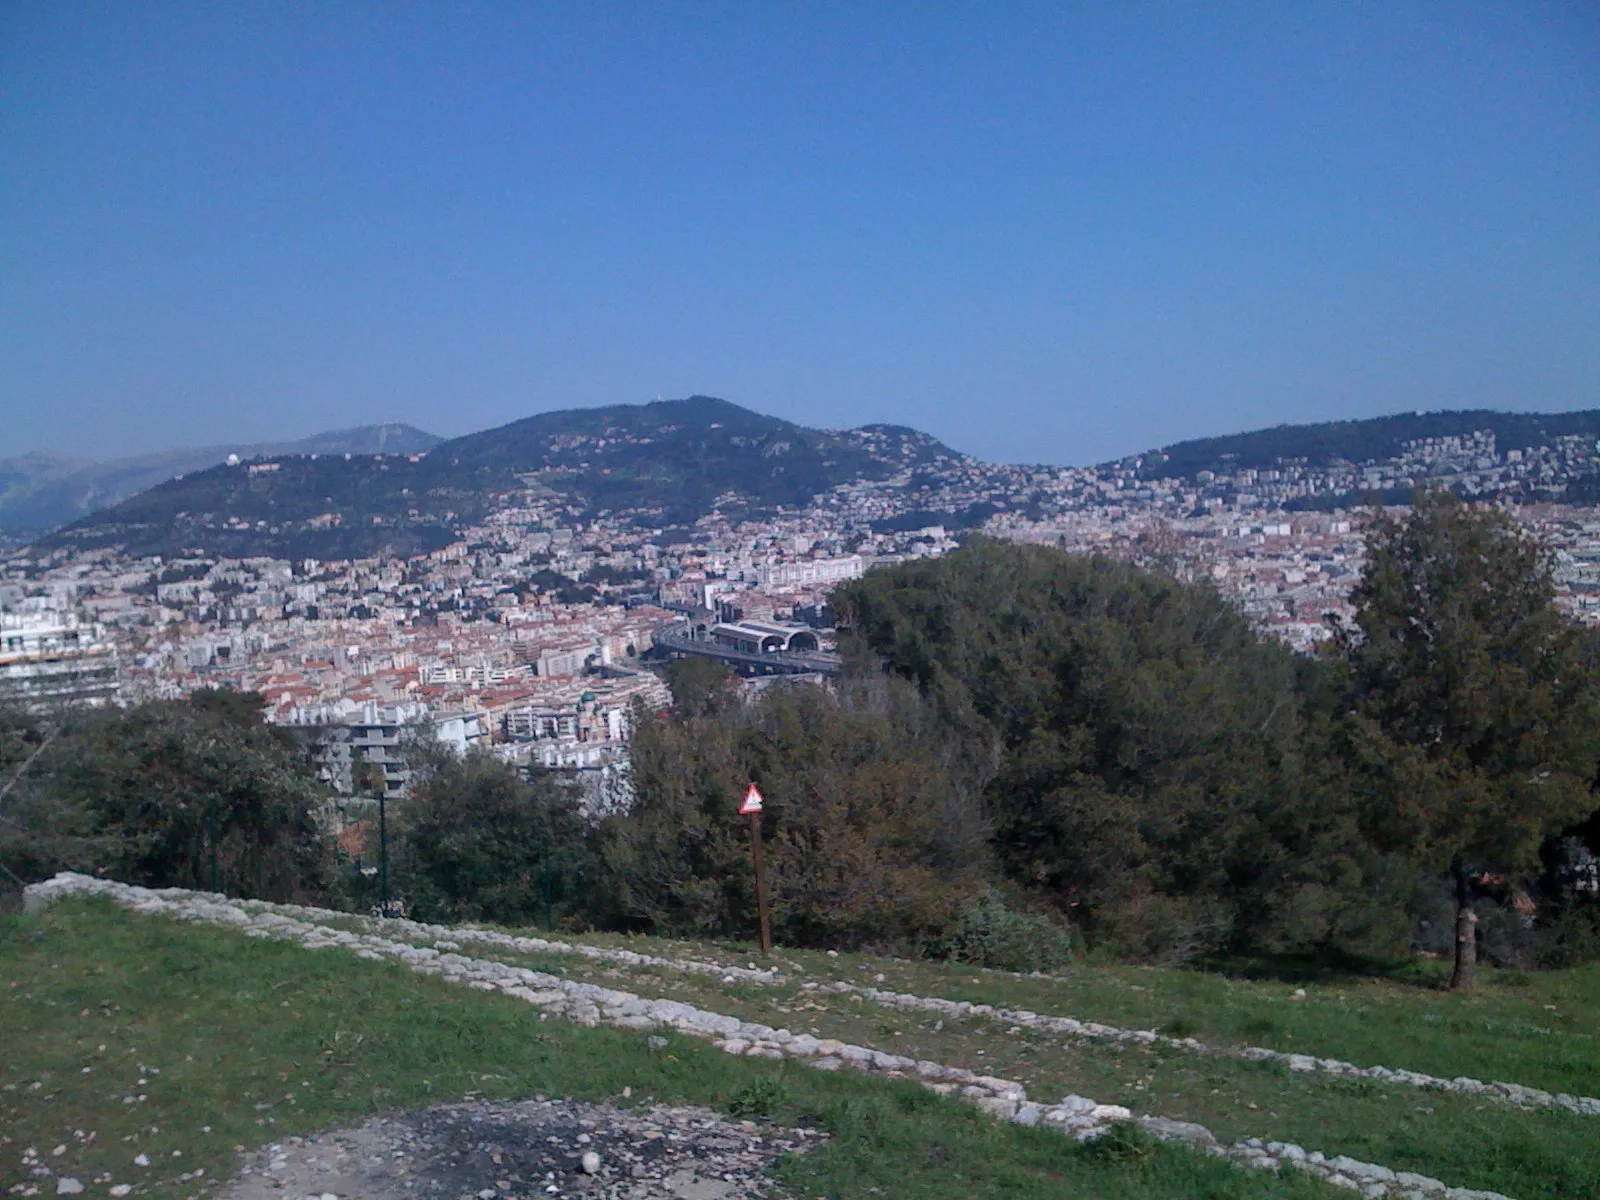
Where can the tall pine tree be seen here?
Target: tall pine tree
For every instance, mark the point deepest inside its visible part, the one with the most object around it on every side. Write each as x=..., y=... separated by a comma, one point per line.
x=1477, y=725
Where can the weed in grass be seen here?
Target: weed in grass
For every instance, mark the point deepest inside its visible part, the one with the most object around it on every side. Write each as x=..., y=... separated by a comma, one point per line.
x=760, y=1099
x=1122, y=1142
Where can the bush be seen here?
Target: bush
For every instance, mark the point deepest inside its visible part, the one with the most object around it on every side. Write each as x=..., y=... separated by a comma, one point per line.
x=481, y=843
x=873, y=831
x=760, y=1099
x=139, y=793
x=1167, y=931
x=1122, y=1142
x=993, y=934
x=1570, y=939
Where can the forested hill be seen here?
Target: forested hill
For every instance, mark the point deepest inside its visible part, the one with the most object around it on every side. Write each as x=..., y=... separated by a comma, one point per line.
x=1376, y=439
x=40, y=492
x=660, y=464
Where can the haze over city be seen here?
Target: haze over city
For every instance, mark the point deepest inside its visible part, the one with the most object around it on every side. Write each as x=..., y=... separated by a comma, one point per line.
x=1039, y=235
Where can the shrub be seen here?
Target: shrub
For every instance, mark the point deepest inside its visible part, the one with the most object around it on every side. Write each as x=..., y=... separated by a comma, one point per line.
x=1122, y=1142
x=481, y=843
x=759, y=1099
x=1570, y=939
x=993, y=934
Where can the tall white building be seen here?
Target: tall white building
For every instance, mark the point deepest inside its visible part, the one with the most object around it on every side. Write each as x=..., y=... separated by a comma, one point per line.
x=49, y=658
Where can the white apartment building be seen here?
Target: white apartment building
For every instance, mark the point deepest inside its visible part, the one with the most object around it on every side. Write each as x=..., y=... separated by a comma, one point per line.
x=810, y=572
x=49, y=658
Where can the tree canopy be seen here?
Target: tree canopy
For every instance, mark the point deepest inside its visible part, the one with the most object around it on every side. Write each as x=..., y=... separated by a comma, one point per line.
x=1152, y=748
x=1477, y=727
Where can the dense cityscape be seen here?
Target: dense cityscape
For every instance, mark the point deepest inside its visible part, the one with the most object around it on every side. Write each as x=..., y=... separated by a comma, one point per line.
x=537, y=631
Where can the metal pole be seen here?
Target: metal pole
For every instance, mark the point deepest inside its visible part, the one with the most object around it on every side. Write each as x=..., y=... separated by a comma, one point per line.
x=761, y=883
x=211, y=826
x=383, y=849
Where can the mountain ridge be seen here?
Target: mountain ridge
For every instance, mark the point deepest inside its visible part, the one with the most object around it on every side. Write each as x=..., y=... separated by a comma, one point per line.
x=41, y=491
x=1356, y=441
x=667, y=462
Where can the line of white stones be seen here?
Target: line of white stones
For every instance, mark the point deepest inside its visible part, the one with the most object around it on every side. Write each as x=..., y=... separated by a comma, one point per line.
x=591, y=1005
x=451, y=937
x=1513, y=1093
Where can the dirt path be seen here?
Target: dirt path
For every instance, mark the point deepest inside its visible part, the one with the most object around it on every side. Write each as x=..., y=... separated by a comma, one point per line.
x=550, y=1148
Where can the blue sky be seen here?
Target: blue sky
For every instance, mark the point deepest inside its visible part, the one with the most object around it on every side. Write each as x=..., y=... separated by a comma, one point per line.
x=1052, y=233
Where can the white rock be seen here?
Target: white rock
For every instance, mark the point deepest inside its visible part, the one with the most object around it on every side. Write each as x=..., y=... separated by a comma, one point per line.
x=591, y=1163
x=68, y=1186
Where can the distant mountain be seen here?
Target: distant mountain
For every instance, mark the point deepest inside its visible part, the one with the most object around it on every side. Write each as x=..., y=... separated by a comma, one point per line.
x=661, y=464
x=39, y=492
x=1358, y=442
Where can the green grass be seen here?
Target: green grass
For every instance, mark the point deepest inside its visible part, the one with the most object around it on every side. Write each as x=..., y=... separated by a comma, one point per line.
x=240, y=1042
x=1465, y=1141
x=1539, y=1029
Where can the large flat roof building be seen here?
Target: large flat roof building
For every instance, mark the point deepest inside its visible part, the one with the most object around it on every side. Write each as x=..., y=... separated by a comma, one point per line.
x=49, y=658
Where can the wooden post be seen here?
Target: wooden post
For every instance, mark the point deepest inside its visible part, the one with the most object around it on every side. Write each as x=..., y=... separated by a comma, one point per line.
x=761, y=883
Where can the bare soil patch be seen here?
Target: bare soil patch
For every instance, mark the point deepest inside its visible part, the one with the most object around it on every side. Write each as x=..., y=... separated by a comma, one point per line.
x=536, y=1148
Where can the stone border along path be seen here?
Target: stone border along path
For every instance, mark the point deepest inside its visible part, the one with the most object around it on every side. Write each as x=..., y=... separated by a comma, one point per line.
x=591, y=1005
x=450, y=938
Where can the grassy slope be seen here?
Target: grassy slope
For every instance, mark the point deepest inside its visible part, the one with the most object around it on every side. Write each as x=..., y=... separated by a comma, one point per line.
x=1542, y=1029
x=1466, y=1141
x=260, y=1040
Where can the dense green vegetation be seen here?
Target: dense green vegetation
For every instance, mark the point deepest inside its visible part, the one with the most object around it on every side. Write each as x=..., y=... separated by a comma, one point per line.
x=1124, y=752
x=1157, y=769
x=479, y=842
x=1477, y=730
x=874, y=832
x=143, y=794
x=1360, y=441
x=1031, y=754
x=670, y=458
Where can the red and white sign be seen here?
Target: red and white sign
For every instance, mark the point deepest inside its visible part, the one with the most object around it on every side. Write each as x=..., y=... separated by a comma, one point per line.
x=752, y=801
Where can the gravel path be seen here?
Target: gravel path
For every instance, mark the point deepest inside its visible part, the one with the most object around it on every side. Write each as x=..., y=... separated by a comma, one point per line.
x=536, y=1148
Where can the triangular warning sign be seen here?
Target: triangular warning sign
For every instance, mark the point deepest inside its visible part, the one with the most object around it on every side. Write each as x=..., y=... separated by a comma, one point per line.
x=752, y=801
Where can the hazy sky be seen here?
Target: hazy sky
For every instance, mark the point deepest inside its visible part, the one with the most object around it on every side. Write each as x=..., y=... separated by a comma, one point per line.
x=1043, y=233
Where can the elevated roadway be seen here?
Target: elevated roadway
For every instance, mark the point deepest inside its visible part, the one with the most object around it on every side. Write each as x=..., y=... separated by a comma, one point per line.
x=776, y=662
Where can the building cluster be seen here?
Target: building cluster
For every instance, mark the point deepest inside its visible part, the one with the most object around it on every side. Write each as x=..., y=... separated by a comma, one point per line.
x=533, y=633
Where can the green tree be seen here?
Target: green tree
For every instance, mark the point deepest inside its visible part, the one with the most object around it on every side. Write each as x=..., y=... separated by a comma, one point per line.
x=872, y=826
x=140, y=793
x=481, y=842
x=701, y=686
x=1477, y=730
x=1155, y=779
x=37, y=834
